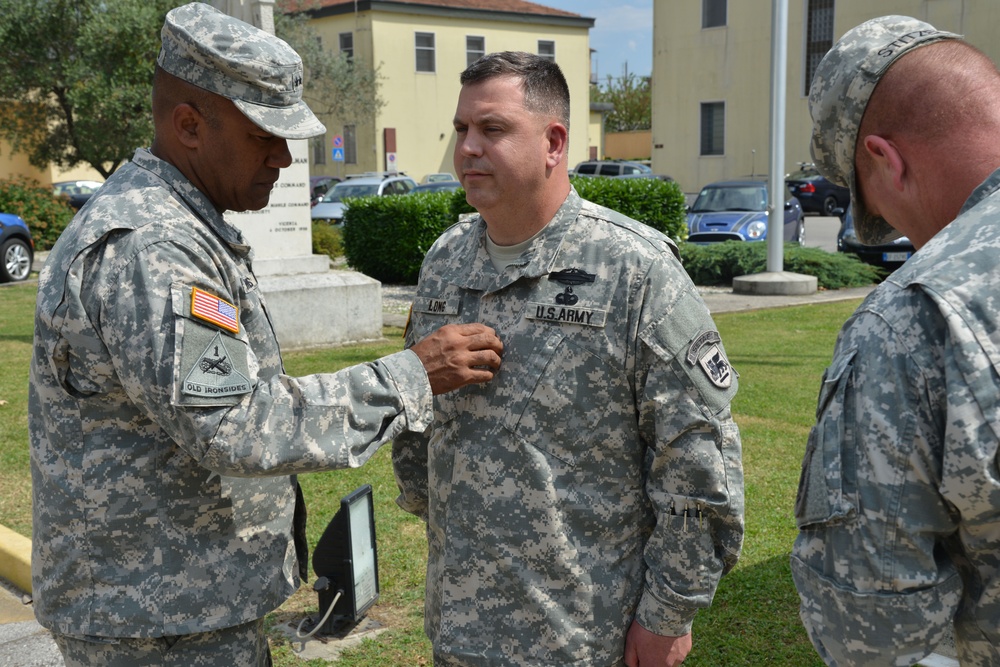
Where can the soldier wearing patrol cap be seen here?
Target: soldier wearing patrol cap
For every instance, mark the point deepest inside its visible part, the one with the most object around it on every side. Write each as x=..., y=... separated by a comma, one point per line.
x=165, y=437
x=582, y=507
x=899, y=499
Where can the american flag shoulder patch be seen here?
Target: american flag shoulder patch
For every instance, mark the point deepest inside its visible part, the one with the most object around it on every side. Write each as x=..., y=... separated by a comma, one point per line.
x=210, y=308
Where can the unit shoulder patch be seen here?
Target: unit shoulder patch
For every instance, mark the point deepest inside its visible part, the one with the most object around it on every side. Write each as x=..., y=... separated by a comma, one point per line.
x=216, y=372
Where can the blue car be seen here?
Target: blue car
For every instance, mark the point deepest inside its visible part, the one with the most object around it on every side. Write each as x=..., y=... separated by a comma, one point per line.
x=16, y=249
x=737, y=211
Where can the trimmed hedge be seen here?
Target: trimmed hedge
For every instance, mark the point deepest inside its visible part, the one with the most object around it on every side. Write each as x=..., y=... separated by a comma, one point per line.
x=719, y=263
x=659, y=204
x=46, y=214
x=387, y=237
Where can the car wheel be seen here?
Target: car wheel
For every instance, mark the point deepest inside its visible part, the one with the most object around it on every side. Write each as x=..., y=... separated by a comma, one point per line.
x=830, y=205
x=16, y=261
x=800, y=233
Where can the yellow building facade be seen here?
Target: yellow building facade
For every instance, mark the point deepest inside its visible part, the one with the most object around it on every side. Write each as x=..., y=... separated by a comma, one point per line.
x=712, y=72
x=421, y=49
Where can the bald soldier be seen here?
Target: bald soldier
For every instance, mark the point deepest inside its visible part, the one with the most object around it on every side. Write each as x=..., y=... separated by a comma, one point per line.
x=899, y=501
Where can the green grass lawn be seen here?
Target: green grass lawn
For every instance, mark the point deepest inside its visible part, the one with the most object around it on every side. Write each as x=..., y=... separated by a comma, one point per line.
x=780, y=355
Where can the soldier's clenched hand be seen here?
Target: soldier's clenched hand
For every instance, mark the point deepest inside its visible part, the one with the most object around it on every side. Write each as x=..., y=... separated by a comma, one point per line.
x=459, y=354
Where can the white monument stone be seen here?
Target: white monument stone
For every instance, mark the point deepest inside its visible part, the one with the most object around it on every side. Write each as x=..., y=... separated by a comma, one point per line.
x=309, y=304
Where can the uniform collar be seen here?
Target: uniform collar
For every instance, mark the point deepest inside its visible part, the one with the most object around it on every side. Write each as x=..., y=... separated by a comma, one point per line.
x=194, y=198
x=985, y=189
x=537, y=260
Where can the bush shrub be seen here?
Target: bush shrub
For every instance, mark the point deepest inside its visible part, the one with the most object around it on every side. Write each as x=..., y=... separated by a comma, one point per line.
x=660, y=204
x=719, y=263
x=326, y=240
x=387, y=237
x=46, y=214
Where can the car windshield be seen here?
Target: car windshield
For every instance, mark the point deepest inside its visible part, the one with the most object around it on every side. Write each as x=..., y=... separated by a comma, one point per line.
x=343, y=191
x=644, y=169
x=735, y=198
x=802, y=175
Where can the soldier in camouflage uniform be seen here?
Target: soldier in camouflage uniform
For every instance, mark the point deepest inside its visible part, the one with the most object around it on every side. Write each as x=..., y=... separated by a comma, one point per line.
x=165, y=437
x=899, y=500
x=582, y=507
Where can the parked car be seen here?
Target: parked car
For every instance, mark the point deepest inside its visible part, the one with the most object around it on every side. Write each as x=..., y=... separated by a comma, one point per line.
x=889, y=256
x=610, y=168
x=815, y=193
x=737, y=211
x=17, y=249
x=330, y=209
x=437, y=178
x=78, y=192
x=437, y=186
x=319, y=186
x=662, y=177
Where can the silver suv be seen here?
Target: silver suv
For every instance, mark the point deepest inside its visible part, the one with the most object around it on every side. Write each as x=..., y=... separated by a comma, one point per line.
x=610, y=168
x=330, y=208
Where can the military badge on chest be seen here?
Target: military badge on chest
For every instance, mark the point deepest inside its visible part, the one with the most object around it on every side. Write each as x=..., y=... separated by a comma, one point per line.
x=565, y=307
x=706, y=352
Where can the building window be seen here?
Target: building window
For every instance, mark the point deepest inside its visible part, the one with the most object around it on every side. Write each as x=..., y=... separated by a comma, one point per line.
x=713, y=128
x=350, y=145
x=819, y=37
x=475, y=48
x=425, y=52
x=318, y=145
x=713, y=13
x=547, y=49
x=347, y=44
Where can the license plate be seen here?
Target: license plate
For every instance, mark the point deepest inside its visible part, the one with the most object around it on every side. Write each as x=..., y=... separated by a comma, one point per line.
x=895, y=256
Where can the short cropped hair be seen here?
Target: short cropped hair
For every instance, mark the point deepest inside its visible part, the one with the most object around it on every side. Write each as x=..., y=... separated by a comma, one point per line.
x=545, y=89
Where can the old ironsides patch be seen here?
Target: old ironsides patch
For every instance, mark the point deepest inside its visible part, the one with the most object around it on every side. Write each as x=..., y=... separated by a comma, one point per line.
x=215, y=374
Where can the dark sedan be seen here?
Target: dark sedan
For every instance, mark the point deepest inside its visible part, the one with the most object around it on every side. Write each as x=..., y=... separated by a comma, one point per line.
x=737, y=211
x=815, y=193
x=889, y=255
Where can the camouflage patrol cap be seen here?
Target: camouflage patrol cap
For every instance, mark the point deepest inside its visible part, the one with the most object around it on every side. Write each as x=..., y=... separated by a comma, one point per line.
x=260, y=73
x=839, y=95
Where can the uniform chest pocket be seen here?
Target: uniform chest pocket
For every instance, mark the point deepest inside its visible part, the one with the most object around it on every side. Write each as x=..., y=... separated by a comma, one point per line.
x=569, y=395
x=828, y=482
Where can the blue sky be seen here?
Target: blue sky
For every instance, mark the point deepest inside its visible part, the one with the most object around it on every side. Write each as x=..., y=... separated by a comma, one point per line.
x=622, y=33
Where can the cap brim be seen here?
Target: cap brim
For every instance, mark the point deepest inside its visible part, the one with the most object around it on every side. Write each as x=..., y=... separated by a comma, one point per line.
x=871, y=229
x=294, y=122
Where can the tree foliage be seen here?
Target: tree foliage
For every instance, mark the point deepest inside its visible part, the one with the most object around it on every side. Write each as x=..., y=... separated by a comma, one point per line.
x=632, y=100
x=335, y=87
x=75, y=77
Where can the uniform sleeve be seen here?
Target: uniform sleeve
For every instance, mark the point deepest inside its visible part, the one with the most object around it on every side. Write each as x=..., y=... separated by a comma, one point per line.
x=684, y=385
x=409, y=463
x=280, y=425
x=875, y=586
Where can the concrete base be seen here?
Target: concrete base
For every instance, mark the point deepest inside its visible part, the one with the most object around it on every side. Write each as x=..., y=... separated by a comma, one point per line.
x=329, y=647
x=332, y=308
x=775, y=283
x=288, y=266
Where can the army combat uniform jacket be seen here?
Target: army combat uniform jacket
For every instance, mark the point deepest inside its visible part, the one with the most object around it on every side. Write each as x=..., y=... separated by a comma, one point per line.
x=164, y=434
x=899, y=500
x=598, y=477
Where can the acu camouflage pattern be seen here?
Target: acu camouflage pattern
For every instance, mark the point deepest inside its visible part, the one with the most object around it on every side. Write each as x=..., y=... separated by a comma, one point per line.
x=838, y=97
x=243, y=645
x=598, y=476
x=155, y=512
x=260, y=73
x=899, y=501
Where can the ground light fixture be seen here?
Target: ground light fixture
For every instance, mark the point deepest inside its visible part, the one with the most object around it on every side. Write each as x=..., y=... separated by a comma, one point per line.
x=346, y=565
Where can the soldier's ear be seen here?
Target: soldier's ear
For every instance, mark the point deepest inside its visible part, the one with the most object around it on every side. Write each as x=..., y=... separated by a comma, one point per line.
x=188, y=124
x=557, y=137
